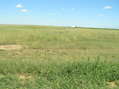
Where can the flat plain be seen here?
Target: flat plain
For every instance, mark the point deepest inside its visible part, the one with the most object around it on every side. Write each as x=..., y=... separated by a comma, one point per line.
x=49, y=57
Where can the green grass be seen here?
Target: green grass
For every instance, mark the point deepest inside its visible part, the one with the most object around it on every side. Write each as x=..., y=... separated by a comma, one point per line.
x=59, y=58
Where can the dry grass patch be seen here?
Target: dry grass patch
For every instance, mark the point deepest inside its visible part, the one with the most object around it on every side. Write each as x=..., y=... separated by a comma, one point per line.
x=112, y=84
x=24, y=77
x=10, y=47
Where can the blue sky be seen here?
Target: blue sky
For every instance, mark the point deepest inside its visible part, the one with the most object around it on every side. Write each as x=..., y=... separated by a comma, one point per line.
x=86, y=13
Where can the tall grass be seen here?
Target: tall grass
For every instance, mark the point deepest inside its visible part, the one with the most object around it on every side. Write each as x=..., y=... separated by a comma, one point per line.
x=72, y=75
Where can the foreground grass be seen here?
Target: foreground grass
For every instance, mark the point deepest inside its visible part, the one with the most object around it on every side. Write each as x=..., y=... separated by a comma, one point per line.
x=59, y=58
x=80, y=75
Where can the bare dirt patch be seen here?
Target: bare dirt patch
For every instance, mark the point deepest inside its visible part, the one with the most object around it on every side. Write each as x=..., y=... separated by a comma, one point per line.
x=25, y=77
x=112, y=84
x=10, y=47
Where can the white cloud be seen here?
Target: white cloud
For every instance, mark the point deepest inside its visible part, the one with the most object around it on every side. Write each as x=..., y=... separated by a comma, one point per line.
x=108, y=7
x=24, y=10
x=19, y=6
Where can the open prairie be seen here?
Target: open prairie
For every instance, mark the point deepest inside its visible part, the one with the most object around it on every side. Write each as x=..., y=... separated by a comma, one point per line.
x=47, y=57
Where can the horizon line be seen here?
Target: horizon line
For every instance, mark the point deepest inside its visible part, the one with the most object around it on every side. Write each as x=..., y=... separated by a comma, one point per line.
x=74, y=26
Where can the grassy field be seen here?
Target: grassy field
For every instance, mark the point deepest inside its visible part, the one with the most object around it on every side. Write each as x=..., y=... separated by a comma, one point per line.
x=42, y=57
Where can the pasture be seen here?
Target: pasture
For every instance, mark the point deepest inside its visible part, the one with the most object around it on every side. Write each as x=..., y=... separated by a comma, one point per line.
x=47, y=57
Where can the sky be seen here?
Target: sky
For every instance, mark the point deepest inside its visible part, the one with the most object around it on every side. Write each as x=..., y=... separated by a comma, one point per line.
x=84, y=13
